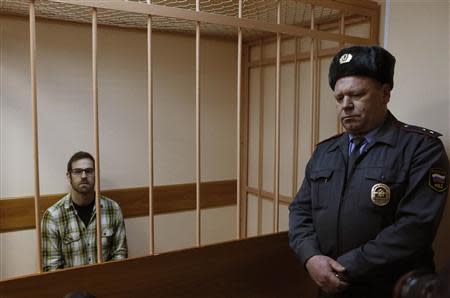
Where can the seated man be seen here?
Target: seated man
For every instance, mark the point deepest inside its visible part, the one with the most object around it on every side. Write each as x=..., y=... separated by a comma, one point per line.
x=69, y=226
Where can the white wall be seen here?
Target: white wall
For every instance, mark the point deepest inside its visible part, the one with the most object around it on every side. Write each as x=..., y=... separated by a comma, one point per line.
x=66, y=126
x=419, y=37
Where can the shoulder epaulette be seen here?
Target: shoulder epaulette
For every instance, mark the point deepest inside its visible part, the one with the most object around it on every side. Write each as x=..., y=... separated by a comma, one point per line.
x=330, y=138
x=418, y=129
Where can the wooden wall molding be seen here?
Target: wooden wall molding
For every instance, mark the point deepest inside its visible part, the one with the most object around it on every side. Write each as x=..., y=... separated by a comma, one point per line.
x=18, y=213
x=255, y=267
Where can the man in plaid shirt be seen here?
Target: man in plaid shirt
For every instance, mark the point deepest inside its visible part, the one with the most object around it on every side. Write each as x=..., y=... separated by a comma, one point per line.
x=69, y=226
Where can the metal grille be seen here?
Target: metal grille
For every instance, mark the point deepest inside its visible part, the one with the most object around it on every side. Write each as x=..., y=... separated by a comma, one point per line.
x=293, y=12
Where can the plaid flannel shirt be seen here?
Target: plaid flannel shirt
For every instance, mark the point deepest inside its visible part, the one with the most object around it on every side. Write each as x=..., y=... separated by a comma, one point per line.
x=67, y=242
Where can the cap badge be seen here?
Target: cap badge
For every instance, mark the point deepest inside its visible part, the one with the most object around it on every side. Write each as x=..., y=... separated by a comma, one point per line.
x=345, y=58
x=380, y=194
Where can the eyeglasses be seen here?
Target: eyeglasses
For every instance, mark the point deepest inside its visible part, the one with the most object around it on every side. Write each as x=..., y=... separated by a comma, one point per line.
x=79, y=172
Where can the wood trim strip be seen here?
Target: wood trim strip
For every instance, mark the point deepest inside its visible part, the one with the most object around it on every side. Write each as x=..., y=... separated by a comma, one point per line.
x=17, y=213
x=269, y=195
x=301, y=57
x=199, y=16
x=323, y=25
x=245, y=268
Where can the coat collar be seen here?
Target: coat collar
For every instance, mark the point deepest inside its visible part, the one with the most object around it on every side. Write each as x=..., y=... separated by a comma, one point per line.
x=386, y=135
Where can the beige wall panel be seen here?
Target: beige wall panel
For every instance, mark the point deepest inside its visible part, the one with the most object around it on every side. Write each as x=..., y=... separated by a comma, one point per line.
x=255, y=53
x=252, y=215
x=218, y=109
x=253, y=126
x=305, y=44
x=327, y=103
x=270, y=50
x=218, y=225
x=304, y=132
x=288, y=46
x=137, y=231
x=17, y=253
x=172, y=239
x=325, y=44
x=358, y=30
x=269, y=129
x=286, y=127
x=267, y=217
x=284, y=217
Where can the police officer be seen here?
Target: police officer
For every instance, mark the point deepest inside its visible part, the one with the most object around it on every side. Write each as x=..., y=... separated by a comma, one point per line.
x=372, y=198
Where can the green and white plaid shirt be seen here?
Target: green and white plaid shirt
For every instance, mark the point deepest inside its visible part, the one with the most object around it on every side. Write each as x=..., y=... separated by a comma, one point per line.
x=67, y=242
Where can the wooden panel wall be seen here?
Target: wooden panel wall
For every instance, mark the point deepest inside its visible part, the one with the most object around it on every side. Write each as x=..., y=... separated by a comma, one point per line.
x=18, y=213
x=256, y=267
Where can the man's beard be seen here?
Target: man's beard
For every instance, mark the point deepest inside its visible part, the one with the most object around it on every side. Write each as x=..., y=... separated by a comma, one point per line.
x=83, y=187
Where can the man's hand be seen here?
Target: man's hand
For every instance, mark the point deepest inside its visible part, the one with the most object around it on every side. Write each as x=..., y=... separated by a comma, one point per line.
x=322, y=270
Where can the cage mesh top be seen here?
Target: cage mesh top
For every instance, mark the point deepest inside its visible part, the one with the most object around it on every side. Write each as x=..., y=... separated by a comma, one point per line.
x=293, y=12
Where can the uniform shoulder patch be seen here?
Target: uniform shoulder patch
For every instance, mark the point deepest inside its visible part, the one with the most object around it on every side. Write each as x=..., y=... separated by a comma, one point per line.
x=418, y=129
x=438, y=179
x=330, y=138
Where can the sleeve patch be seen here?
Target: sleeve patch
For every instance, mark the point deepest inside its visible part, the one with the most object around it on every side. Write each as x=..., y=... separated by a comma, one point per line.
x=438, y=179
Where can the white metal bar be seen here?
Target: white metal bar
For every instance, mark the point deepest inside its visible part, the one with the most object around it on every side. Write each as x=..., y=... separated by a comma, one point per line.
x=238, y=125
x=313, y=84
x=296, y=120
x=34, y=122
x=260, y=140
x=96, y=135
x=276, y=206
x=151, y=218
x=197, y=121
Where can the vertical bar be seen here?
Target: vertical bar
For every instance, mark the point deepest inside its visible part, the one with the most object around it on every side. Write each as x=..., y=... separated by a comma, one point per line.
x=34, y=122
x=244, y=137
x=375, y=25
x=342, y=29
x=313, y=83
x=197, y=121
x=296, y=121
x=339, y=127
x=277, y=127
x=317, y=98
x=96, y=136
x=151, y=219
x=260, y=140
x=238, y=133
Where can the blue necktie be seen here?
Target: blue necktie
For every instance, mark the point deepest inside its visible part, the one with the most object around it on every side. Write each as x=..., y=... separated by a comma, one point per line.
x=357, y=144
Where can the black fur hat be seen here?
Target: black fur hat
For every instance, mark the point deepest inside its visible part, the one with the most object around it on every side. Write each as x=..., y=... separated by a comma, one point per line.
x=370, y=61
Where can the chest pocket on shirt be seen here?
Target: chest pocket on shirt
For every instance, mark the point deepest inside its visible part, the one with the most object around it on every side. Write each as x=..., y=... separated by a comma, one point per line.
x=321, y=188
x=393, y=179
x=107, y=235
x=71, y=244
